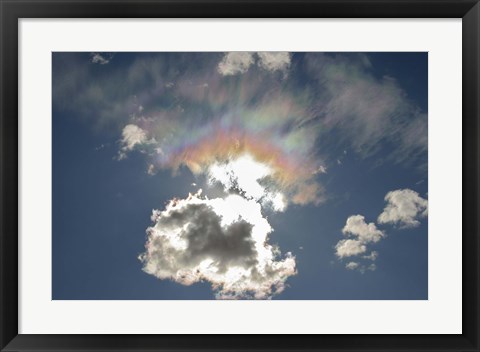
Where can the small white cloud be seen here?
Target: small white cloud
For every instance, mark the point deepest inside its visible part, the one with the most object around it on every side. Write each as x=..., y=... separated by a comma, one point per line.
x=404, y=206
x=151, y=169
x=372, y=256
x=321, y=170
x=101, y=59
x=132, y=136
x=357, y=226
x=235, y=62
x=274, y=61
x=238, y=62
x=349, y=248
x=352, y=265
x=364, y=233
x=361, y=268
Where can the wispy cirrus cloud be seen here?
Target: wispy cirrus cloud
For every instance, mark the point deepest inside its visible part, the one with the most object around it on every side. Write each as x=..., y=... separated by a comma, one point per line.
x=341, y=98
x=370, y=112
x=101, y=58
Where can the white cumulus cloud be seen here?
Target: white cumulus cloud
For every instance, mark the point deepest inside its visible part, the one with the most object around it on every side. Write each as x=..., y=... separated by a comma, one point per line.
x=235, y=62
x=221, y=241
x=404, y=207
x=274, y=61
x=363, y=233
x=132, y=135
x=349, y=248
x=239, y=62
x=357, y=226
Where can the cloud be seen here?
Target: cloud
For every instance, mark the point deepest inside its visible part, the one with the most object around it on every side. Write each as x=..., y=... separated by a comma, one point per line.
x=151, y=170
x=221, y=241
x=352, y=265
x=369, y=111
x=357, y=226
x=349, y=248
x=364, y=234
x=102, y=59
x=180, y=110
x=274, y=61
x=238, y=62
x=134, y=137
x=198, y=117
x=372, y=256
x=359, y=267
x=343, y=98
x=244, y=175
x=235, y=62
x=404, y=207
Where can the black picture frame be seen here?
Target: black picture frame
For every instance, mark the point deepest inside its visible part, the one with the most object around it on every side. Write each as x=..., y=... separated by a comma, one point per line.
x=12, y=10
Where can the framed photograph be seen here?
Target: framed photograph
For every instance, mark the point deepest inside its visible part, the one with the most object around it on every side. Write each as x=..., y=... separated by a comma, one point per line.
x=235, y=175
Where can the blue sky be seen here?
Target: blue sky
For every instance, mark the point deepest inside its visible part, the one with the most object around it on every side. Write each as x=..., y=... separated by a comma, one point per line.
x=335, y=134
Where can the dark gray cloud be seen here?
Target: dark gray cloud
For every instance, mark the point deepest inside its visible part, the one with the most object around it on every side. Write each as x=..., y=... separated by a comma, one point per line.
x=221, y=241
x=205, y=238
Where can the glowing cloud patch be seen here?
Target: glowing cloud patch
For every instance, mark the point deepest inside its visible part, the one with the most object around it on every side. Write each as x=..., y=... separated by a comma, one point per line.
x=251, y=158
x=244, y=175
